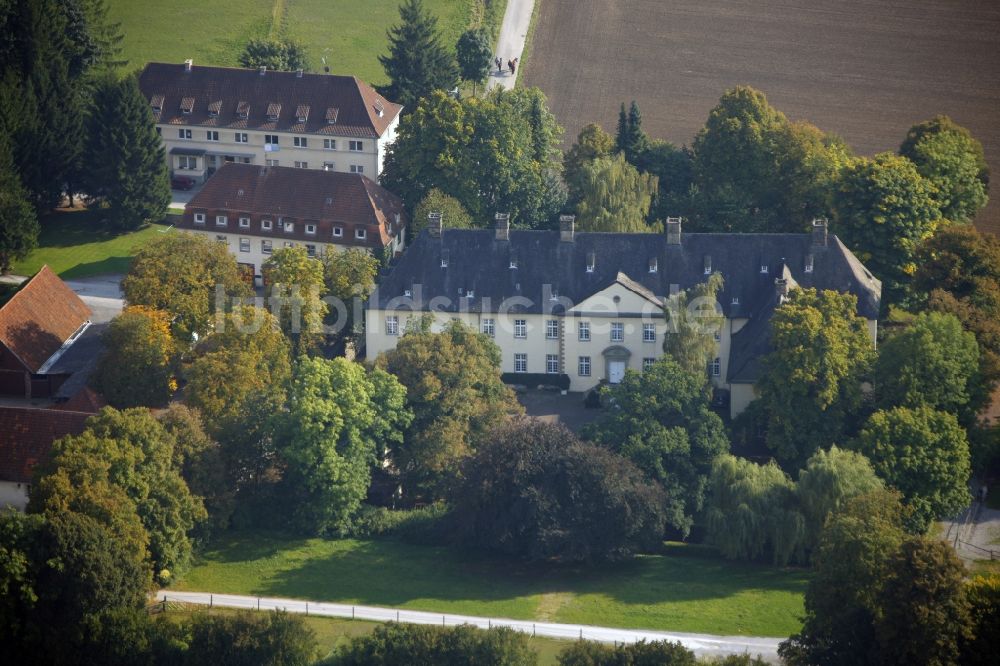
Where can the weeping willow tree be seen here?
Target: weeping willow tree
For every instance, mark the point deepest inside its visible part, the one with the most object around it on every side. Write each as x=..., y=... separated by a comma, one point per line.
x=615, y=196
x=828, y=481
x=753, y=512
x=693, y=318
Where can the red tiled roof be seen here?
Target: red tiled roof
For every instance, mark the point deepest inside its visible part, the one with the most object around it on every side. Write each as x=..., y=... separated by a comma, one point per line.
x=356, y=104
x=324, y=198
x=85, y=400
x=40, y=317
x=26, y=436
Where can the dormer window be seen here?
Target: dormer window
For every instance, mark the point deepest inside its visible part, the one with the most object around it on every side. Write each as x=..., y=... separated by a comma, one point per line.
x=302, y=113
x=513, y=262
x=735, y=301
x=273, y=111
x=243, y=110
x=338, y=232
x=331, y=115
x=809, y=263
x=289, y=227
x=708, y=264
x=311, y=229
x=199, y=218
x=763, y=268
x=379, y=108
x=444, y=258
x=265, y=225
x=187, y=105
x=407, y=293
x=591, y=262
x=214, y=108
x=652, y=264
x=156, y=102
x=470, y=294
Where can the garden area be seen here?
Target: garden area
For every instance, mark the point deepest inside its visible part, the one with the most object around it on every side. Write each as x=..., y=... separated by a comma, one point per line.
x=685, y=588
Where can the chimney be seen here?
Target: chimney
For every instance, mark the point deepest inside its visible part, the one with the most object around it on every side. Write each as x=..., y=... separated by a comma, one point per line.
x=819, y=232
x=298, y=73
x=188, y=64
x=263, y=70
x=503, y=226
x=434, y=224
x=567, y=227
x=673, y=231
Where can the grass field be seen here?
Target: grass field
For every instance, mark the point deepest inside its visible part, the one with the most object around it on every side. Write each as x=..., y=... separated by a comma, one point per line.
x=687, y=589
x=74, y=244
x=350, y=34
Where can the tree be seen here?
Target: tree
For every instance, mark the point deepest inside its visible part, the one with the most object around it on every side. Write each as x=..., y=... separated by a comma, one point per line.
x=841, y=599
x=281, y=55
x=925, y=455
x=336, y=423
x=615, y=196
x=630, y=140
x=949, y=157
x=664, y=653
x=591, y=143
x=453, y=387
x=475, y=55
x=295, y=288
x=185, y=275
x=250, y=639
x=18, y=223
x=350, y=279
x=138, y=363
x=661, y=421
x=131, y=450
x=393, y=643
x=238, y=379
x=453, y=215
x=693, y=318
x=417, y=63
x=126, y=170
x=934, y=362
x=673, y=168
x=532, y=490
x=923, y=615
x=752, y=512
x=811, y=382
x=829, y=480
x=983, y=595
x=883, y=209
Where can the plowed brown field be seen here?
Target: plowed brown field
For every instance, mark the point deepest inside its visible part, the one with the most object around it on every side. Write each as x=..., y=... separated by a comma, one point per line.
x=865, y=69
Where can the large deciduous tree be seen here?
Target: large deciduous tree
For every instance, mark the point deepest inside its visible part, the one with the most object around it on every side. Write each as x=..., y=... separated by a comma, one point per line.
x=614, y=196
x=337, y=422
x=693, y=319
x=183, y=275
x=282, y=55
x=660, y=420
x=417, y=63
x=138, y=364
x=948, y=156
x=453, y=214
x=591, y=143
x=925, y=455
x=811, y=384
x=295, y=289
x=126, y=170
x=350, y=279
x=883, y=209
x=534, y=491
x=453, y=387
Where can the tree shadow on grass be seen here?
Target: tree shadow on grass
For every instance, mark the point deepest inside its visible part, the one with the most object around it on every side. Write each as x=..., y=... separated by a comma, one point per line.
x=105, y=266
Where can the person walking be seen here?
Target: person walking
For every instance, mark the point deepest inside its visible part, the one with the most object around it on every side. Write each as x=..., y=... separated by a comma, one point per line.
x=499, y=63
x=513, y=66
x=510, y=66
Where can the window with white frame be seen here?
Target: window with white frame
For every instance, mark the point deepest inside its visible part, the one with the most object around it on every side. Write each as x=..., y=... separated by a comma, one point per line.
x=715, y=367
x=520, y=328
x=244, y=245
x=392, y=325
x=183, y=133
x=301, y=165
x=338, y=232
x=271, y=139
x=552, y=364
x=186, y=162
x=360, y=233
x=357, y=168
x=583, y=366
x=266, y=247
x=244, y=223
x=272, y=162
x=329, y=166
x=265, y=225
x=356, y=146
x=736, y=300
x=617, y=331
x=289, y=227
x=647, y=363
x=649, y=332
x=583, y=330
x=300, y=142
x=221, y=220
x=329, y=144
x=311, y=249
x=212, y=135
x=490, y=327
x=241, y=137
x=551, y=329
x=311, y=229
x=763, y=268
x=520, y=362
x=199, y=218
x=289, y=244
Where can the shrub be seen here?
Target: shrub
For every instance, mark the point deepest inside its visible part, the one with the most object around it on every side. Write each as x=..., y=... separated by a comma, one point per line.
x=536, y=379
x=662, y=653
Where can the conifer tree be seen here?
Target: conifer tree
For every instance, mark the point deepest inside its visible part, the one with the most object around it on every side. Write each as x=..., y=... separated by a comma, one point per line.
x=18, y=223
x=128, y=170
x=417, y=63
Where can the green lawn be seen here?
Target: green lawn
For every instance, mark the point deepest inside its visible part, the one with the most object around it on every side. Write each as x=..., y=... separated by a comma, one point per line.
x=351, y=34
x=75, y=244
x=687, y=589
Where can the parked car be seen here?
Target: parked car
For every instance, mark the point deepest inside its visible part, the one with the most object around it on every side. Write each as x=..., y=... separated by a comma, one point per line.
x=182, y=183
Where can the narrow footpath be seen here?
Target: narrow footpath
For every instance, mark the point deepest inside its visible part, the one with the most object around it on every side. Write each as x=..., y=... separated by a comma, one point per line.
x=703, y=645
x=510, y=45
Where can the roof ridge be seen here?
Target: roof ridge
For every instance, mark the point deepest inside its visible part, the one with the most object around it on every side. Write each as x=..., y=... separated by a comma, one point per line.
x=36, y=408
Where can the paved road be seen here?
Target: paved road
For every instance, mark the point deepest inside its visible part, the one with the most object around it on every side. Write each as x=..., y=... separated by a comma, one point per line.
x=703, y=645
x=510, y=45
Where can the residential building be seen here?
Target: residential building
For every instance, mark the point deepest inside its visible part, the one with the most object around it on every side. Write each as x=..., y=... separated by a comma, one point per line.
x=39, y=326
x=256, y=209
x=26, y=437
x=591, y=305
x=210, y=116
